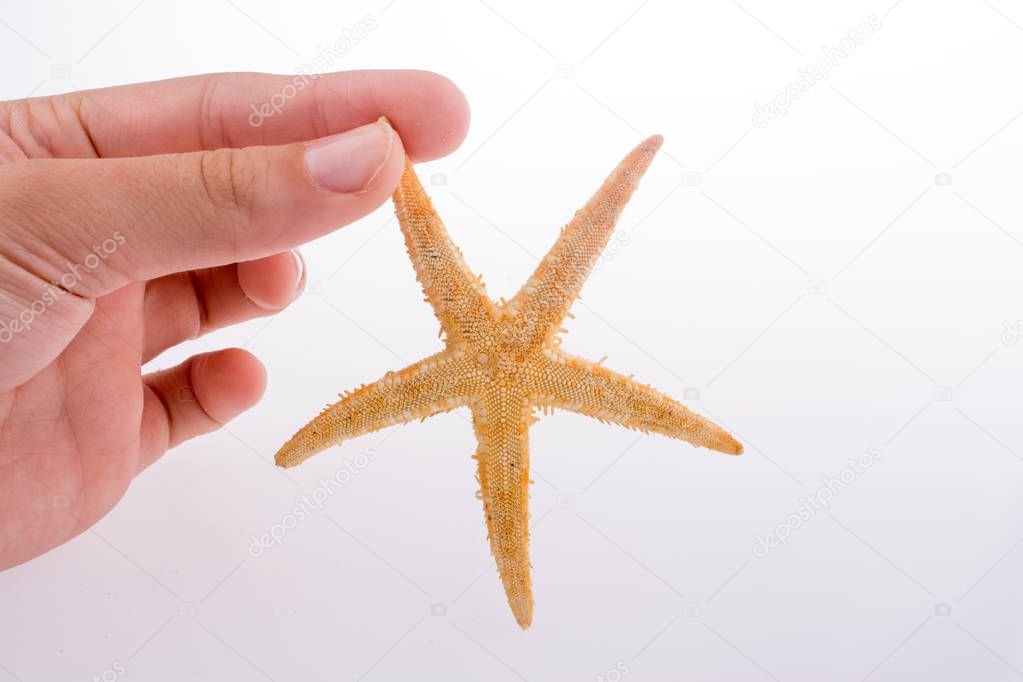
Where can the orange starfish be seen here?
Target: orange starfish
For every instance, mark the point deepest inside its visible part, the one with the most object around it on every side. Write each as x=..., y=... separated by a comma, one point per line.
x=503, y=360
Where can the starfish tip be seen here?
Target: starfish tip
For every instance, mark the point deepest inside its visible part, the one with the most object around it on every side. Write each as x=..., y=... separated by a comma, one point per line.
x=653, y=143
x=288, y=457
x=524, y=619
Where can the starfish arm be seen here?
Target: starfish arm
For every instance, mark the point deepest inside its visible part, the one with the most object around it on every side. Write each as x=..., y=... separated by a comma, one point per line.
x=436, y=384
x=501, y=420
x=576, y=384
x=545, y=298
x=457, y=295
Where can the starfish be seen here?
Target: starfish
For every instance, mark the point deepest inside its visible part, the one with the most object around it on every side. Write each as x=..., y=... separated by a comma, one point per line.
x=503, y=361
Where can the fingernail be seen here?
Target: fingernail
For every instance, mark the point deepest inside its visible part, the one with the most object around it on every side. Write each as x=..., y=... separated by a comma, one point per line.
x=299, y=271
x=348, y=162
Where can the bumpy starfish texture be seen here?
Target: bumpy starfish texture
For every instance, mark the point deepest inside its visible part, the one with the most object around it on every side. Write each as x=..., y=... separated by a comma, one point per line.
x=503, y=361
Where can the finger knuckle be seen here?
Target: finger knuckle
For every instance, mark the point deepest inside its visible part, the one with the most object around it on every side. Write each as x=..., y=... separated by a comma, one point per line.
x=228, y=178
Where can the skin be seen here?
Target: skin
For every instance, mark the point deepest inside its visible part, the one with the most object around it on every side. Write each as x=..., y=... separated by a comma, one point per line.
x=205, y=211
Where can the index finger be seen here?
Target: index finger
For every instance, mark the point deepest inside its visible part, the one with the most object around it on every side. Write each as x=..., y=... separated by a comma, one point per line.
x=248, y=109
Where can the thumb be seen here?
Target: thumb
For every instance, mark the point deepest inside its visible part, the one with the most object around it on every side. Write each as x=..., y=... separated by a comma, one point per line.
x=92, y=226
x=75, y=229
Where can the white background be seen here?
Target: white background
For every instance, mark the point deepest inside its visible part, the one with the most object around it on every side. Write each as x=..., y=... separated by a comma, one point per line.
x=642, y=546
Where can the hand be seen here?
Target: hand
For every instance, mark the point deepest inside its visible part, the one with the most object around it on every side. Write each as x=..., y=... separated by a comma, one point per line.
x=135, y=218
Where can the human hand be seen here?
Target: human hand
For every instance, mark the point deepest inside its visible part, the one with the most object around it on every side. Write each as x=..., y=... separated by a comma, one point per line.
x=138, y=217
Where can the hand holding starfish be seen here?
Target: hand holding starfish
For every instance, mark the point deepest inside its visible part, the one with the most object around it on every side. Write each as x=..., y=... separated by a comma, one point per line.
x=135, y=218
